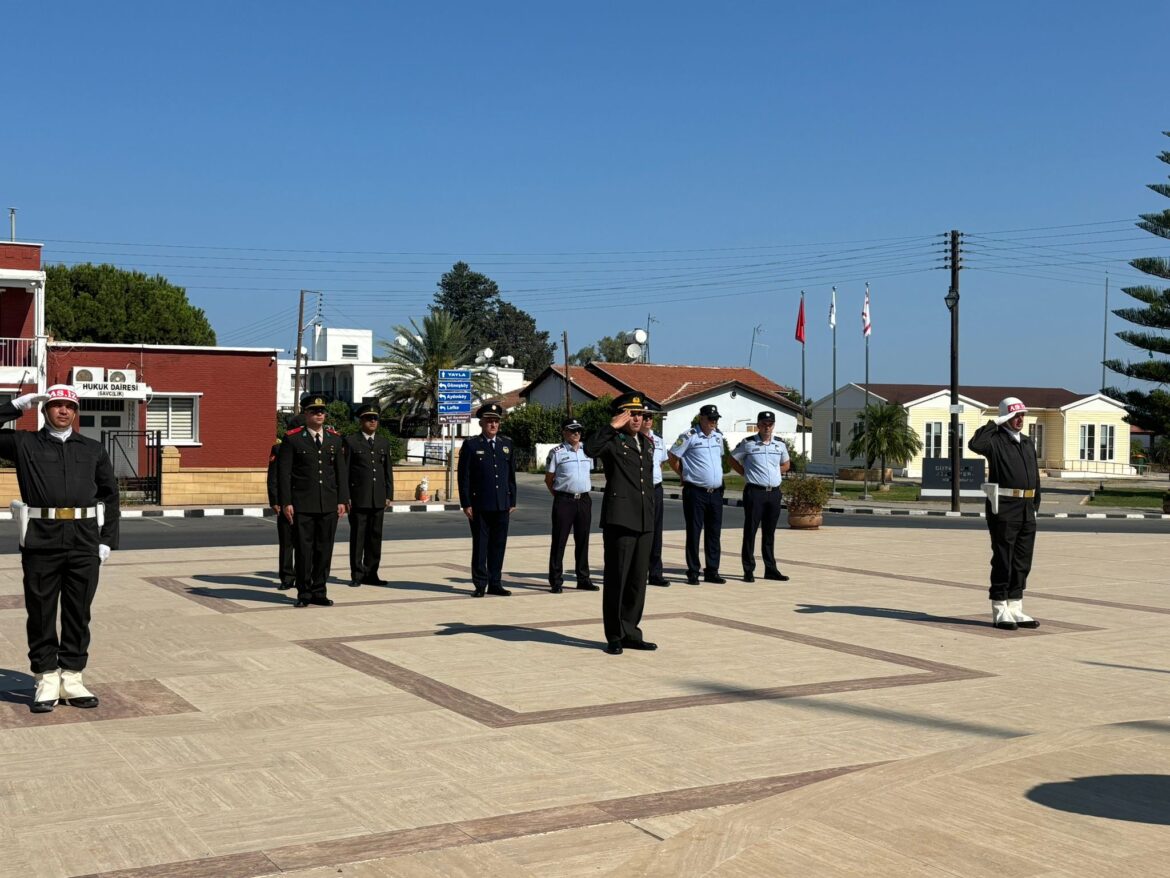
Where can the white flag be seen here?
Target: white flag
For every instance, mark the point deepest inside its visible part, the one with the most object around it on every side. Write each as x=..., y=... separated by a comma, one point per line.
x=866, y=326
x=833, y=310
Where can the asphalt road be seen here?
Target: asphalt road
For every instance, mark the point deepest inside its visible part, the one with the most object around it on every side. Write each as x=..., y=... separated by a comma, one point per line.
x=531, y=517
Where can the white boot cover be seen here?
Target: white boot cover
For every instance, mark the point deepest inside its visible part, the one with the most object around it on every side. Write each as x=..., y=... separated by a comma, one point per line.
x=73, y=688
x=1001, y=616
x=48, y=688
x=1016, y=608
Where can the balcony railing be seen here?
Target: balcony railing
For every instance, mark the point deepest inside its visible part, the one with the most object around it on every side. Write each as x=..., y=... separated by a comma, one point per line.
x=18, y=352
x=1102, y=467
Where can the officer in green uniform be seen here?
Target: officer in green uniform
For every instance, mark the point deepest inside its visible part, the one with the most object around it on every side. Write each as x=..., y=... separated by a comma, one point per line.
x=371, y=487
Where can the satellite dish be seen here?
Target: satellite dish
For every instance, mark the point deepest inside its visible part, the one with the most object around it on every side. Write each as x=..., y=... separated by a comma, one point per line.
x=487, y=353
x=480, y=359
x=640, y=336
x=400, y=341
x=633, y=350
x=507, y=361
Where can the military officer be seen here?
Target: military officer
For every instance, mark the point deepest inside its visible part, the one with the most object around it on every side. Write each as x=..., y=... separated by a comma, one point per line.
x=566, y=476
x=286, y=568
x=762, y=461
x=660, y=457
x=1011, y=518
x=313, y=492
x=697, y=456
x=68, y=520
x=627, y=520
x=487, y=495
x=371, y=488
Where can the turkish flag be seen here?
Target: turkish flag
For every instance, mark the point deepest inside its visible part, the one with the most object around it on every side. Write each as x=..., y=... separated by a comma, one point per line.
x=800, y=322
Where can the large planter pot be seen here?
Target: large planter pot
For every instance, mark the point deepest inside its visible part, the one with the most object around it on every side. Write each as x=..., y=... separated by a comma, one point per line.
x=805, y=519
x=1166, y=504
x=859, y=474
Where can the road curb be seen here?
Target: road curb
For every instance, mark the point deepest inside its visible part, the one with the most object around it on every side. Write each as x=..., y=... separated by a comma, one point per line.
x=255, y=511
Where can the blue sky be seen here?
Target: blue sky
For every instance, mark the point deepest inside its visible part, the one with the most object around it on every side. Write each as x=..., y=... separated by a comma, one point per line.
x=698, y=162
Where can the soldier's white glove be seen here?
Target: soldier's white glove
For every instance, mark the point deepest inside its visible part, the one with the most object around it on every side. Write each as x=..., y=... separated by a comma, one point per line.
x=103, y=553
x=26, y=402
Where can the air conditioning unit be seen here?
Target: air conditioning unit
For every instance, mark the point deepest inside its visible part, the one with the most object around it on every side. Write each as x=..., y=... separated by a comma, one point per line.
x=88, y=374
x=122, y=376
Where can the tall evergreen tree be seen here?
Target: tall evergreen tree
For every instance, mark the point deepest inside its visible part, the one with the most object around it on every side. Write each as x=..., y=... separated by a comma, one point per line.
x=1149, y=409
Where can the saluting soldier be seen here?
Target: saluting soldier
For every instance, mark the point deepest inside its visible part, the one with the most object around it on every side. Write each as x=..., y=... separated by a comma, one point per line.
x=487, y=495
x=762, y=461
x=567, y=479
x=660, y=457
x=68, y=519
x=697, y=456
x=313, y=495
x=371, y=488
x=286, y=567
x=627, y=520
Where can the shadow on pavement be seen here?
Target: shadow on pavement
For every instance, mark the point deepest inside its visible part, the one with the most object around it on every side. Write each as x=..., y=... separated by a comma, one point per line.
x=889, y=613
x=1126, y=667
x=11, y=681
x=1138, y=798
x=520, y=634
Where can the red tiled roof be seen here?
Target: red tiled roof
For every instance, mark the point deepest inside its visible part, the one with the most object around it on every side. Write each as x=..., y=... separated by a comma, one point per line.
x=1033, y=397
x=585, y=381
x=509, y=401
x=668, y=384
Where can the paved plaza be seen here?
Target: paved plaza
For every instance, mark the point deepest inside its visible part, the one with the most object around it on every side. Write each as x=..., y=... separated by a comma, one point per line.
x=862, y=719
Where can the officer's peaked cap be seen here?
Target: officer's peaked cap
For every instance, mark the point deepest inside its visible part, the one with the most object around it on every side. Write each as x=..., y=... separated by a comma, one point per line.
x=571, y=424
x=313, y=401
x=766, y=417
x=633, y=402
x=709, y=411
x=367, y=409
x=490, y=410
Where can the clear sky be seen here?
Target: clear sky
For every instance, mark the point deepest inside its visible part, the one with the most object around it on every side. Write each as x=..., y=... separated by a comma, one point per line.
x=698, y=162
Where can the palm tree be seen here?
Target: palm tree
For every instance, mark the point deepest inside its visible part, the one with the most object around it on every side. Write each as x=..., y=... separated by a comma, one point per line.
x=885, y=434
x=410, y=378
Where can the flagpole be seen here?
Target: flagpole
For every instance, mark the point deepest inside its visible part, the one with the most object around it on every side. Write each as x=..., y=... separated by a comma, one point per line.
x=803, y=411
x=833, y=429
x=865, y=463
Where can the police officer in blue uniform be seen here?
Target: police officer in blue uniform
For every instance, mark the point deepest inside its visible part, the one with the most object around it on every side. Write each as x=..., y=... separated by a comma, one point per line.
x=697, y=456
x=371, y=487
x=567, y=479
x=762, y=461
x=313, y=494
x=487, y=495
x=660, y=457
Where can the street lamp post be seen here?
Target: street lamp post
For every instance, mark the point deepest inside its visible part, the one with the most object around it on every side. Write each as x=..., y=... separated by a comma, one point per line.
x=952, y=300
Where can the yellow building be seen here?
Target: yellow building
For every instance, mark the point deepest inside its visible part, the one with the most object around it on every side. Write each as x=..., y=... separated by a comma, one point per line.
x=1076, y=436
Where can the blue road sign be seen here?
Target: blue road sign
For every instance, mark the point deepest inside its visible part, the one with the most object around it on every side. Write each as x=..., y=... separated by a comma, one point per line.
x=455, y=386
x=454, y=408
x=464, y=398
x=454, y=374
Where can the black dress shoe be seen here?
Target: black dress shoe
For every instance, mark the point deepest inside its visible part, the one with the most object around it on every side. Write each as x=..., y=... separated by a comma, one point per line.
x=614, y=647
x=320, y=601
x=714, y=577
x=499, y=590
x=749, y=577
x=42, y=706
x=658, y=580
x=556, y=589
x=640, y=644
x=478, y=593
x=355, y=583
x=86, y=702
x=587, y=586
x=285, y=586
x=693, y=578
x=301, y=602
x=776, y=575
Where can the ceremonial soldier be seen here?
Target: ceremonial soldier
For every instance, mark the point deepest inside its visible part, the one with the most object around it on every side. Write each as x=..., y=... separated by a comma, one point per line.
x=567, y=479
x=1014, y=475
x=313, y=493
x=697, y=456
x=68, y=520
x=371, y=488
x=627, y=520
x=660, y=457
x=487, y=495
x=762, y=461
x=286, y=568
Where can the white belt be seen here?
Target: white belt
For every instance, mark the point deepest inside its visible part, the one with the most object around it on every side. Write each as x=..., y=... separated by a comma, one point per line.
x=67, y=513
x=1017, y=492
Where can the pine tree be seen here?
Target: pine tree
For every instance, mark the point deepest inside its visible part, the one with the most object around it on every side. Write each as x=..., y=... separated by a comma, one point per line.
x=1149, y=409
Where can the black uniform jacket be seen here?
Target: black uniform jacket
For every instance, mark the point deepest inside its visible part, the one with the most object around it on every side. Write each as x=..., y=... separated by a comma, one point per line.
x=629, y=479
x=273, y=475
x=1010, y=464
x=371, y=474
x=311, y=480
x=487, y=477
x=76, y=472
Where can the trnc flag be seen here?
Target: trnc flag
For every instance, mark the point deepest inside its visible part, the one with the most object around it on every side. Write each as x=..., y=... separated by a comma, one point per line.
x=800, y=322
x=866, y=326
x=833, y=310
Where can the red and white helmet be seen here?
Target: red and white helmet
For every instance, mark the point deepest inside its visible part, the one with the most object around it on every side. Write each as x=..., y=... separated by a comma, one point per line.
x=1009, y=407
x=63, y=391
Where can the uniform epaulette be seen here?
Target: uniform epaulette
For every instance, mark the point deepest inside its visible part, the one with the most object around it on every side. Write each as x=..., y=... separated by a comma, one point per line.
x=294, y=431
x=331, y=431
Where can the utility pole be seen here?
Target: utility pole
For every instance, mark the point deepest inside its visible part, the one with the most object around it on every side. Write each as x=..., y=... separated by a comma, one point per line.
x=756, y=330
x=1105, y=339
x=12, y=223
x=297, y=353
x=952, y=300
x=568, y=390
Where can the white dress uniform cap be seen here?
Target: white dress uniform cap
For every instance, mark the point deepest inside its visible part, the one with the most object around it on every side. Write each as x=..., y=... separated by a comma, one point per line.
x=1009, y=407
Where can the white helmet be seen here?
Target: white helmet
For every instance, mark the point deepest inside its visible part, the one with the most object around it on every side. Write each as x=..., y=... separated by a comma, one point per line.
x=1009, y=407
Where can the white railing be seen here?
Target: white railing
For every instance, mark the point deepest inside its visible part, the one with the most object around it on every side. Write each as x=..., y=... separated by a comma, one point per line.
x=18, y=353
x=1099, y=467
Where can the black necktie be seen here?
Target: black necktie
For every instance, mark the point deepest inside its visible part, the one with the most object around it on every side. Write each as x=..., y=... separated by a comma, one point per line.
x=317, y=439
x=371, y=440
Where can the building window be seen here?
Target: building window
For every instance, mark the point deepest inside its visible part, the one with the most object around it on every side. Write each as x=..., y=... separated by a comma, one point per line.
x=177, y=417
x=1036, y=432
x=962, y=437
x=1107, y=431
x=1088, y=441
x=349, y=352
x=934, y=434
x=315, y=382
x=834, y=438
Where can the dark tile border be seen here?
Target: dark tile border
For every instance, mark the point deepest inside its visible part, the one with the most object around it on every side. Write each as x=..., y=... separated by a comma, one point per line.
x=126, y=699
x=11, y=602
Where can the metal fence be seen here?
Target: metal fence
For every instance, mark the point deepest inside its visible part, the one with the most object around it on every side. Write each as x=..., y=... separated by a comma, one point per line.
x=137, y=459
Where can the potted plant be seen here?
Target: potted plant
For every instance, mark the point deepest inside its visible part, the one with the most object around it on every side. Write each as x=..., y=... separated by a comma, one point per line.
x=1166, y=502
x=806, y=496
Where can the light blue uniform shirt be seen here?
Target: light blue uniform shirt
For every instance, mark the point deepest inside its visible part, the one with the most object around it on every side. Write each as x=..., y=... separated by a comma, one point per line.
x=761, y=462
x=660, y=455
x=701, y=456
x=570, y=469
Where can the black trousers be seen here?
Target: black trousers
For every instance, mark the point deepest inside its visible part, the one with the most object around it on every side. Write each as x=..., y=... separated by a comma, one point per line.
x=1012, y=541
x=314, y=551
x=489, y=539
x=576, y=516
x=761, y=509
x=704, y=515
x=656, y=543
x=627, y=559
x=286, y=566
x=365, y=543
x=68, y=577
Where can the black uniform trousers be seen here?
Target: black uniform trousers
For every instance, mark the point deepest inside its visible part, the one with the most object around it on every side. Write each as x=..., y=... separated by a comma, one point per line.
x=1012, y=541
x=575, y=515
x=761, y=509
x=365, y=543
x=68, y=577
x=656, y=543
x=314, y=551
x=286, y=566
x=489, y=539
x=627, y=560
x=703, y=512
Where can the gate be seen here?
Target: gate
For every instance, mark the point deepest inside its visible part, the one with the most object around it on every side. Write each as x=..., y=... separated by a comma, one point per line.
x=137, y=459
